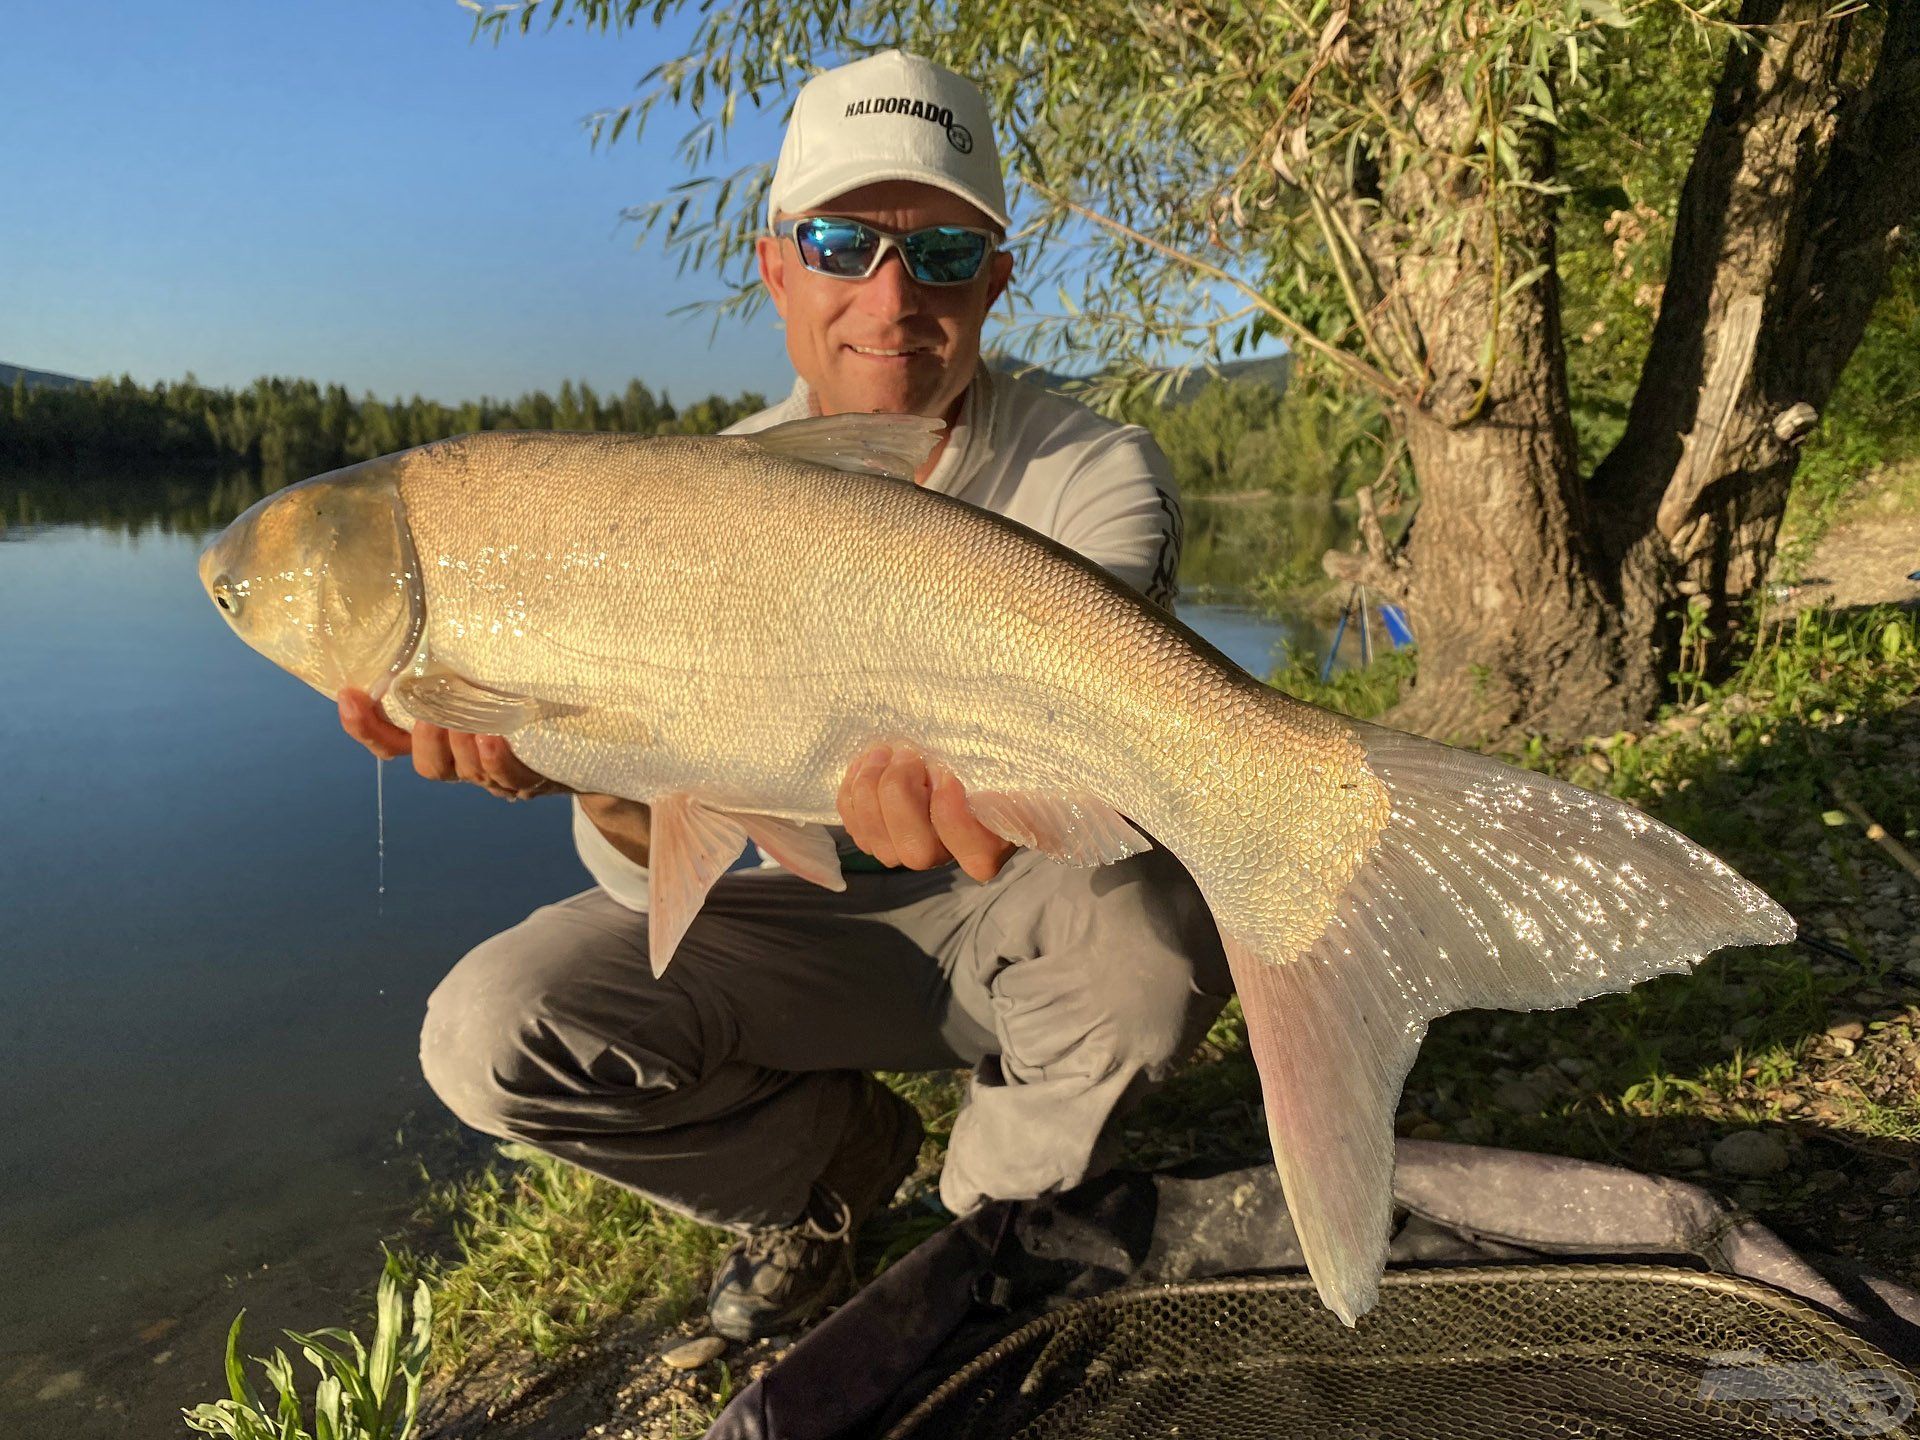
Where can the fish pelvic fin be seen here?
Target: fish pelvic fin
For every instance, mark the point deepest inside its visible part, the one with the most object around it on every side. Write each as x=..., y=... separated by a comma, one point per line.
x=1489, y=887
x=692, y=844
x=891, y=445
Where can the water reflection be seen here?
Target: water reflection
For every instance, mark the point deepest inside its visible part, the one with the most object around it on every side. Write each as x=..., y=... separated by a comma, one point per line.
x=208, y=1017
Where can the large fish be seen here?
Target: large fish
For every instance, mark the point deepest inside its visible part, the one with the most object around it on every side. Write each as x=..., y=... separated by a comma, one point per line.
x=718, y=626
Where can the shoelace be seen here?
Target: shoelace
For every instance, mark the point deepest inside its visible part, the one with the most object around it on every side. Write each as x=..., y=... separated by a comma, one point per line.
x=785, y=1244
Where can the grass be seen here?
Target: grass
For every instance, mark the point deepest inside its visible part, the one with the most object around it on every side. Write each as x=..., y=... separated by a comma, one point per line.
x=543, y=1256
x=546, y=1255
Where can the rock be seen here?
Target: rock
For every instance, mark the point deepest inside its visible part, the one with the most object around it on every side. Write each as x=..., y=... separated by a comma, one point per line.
x=1905, y=1183
x=1522, y=1097
x=695, y=1353
x=1847, y=1027
x=1750, y=1152
x=1573, y=1065
x=1685, y=1157
x=1883, y=917
x=66, y=1383
x=1432, y=1130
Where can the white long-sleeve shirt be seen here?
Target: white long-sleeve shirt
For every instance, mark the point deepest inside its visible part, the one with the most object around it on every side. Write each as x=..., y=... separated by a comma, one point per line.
x=1099, y=488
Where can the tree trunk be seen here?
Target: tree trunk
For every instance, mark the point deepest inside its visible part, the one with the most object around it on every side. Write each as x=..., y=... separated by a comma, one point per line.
x=1786, y=230
x=1506, y=590
x=1545, y=605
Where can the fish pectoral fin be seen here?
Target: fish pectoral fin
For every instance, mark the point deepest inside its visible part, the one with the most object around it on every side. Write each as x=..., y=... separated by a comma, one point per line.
x=1333, y=1040
x=807, y=850
x=893, y=445
x=445, y=697
x=690, y=846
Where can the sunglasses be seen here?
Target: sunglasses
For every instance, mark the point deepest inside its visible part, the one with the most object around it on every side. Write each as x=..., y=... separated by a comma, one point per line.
x=852, y=250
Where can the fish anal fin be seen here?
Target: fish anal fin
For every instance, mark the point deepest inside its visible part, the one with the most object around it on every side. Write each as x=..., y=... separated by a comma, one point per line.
x=892, y=445
x=445, y=697
x=806, y=850
x=1333, y=1042
x=691, y=845
x=1074, y=826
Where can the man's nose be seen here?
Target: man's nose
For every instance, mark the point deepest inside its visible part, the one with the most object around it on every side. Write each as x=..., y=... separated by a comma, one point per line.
x=891, y=290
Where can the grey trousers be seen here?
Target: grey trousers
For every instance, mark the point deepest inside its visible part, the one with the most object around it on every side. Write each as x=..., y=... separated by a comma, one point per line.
x=723, y=1088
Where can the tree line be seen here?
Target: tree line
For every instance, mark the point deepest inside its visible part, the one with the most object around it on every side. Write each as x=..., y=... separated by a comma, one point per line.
x=286, y=428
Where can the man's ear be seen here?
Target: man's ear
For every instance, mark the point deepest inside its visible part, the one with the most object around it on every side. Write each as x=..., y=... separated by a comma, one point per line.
x=998, y=277
x=771, y=256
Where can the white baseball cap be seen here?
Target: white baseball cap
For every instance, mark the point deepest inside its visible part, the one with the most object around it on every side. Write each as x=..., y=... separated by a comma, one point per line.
x=892, y=116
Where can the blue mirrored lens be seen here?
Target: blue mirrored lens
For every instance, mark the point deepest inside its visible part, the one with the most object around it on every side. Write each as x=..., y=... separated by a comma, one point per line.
x=937, y=255
x=944, y=254
x=836, y=247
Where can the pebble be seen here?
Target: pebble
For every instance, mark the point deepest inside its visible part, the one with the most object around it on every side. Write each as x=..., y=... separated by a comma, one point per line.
x=1523, y=1097
x=1905, y=1183
x=1750, y=1152
x=1573, y=1065
x=66, y=1383
x=1849, y=1027
x=1686, y=1157
x=1432, y=1130
x=695, y=1353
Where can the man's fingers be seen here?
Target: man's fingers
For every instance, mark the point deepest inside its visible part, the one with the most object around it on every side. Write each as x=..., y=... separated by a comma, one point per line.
x=860, y=805
x=980, y=851
x=509, y=775
x=904, y=796
x=432, y=754
x=360, y=717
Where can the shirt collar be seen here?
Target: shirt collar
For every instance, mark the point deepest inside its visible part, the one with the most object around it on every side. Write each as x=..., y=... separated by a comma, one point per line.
x=958, y=461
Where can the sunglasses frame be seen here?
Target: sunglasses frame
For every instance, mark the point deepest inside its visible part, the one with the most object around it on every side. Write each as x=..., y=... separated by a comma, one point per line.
x=889, y=240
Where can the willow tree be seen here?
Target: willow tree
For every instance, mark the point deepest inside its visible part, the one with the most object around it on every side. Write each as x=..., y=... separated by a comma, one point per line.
x=1379, y=182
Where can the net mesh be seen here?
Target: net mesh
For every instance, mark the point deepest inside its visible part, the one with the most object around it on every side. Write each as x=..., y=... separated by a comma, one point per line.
x=1497, y=1352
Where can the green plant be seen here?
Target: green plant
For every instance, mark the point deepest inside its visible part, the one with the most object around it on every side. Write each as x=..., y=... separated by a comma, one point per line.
x=368, y=1394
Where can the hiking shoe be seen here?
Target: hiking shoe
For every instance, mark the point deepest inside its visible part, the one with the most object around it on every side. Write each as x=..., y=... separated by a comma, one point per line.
x=781, y=1276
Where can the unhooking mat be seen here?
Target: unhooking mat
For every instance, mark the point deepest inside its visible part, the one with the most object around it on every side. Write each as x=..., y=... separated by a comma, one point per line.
x=1525, y=1295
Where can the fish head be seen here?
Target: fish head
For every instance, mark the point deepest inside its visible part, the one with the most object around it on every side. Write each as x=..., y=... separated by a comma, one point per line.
x=322, y=579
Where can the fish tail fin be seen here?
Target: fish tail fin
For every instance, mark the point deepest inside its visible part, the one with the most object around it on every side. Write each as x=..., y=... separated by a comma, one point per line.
x=1489, y=887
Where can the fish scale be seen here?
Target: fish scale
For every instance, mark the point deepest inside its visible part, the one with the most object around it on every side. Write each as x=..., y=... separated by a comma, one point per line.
x=719, y=626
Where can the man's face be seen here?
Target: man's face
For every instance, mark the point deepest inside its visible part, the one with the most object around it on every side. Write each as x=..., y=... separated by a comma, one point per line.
x=834, y=327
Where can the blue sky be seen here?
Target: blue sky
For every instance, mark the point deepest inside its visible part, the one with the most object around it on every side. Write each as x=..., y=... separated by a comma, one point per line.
x=344, y=189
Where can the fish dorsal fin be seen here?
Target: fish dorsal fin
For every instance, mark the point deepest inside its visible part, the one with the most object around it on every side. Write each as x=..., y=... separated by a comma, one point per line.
x=893, y=445
x=445, y=697
x=1070, y=825
x=691, y=845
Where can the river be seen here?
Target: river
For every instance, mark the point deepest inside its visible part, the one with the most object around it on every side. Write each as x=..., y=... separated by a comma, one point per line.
x=209, y=1092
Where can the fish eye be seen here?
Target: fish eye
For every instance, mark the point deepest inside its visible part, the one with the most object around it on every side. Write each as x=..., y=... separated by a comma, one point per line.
x=225, y=596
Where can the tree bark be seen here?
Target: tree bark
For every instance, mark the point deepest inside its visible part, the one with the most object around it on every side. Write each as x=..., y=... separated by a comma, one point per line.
x=1787, y=227
x=1506, y=590
x=1545, y=604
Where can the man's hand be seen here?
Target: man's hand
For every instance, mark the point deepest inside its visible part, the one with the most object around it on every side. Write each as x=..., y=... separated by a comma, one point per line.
x=439, y=754
x=901, y=814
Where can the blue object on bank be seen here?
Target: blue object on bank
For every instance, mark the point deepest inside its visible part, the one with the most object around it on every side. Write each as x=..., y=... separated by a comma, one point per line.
x=1398, y=631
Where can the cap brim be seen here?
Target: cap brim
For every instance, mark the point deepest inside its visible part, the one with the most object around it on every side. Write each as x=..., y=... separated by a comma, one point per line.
x=842, y=178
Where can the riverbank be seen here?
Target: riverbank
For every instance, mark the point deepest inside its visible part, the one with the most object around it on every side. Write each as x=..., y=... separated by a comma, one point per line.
x=1787, y=1078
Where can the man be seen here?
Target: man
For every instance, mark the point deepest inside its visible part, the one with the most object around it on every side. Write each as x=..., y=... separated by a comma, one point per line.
x=737, y=1088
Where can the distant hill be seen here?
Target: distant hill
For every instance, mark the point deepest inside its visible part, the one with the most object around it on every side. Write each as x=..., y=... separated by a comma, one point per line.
x=1273, y=369
x=37, y=379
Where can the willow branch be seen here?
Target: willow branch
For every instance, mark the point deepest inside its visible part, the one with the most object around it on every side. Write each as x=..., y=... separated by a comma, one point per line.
x=1355, y=369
